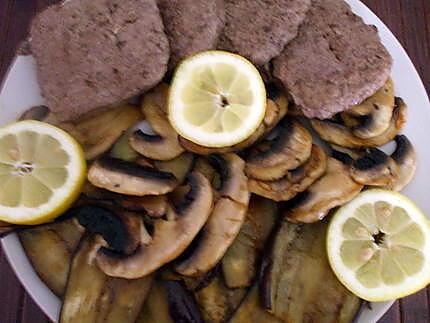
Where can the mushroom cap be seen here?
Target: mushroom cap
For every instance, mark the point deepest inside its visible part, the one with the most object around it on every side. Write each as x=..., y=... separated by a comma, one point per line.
x=129, y=178
x=164, y=145
x=375, y=168
x=406, y=159
x=169, y=238
x=295, y=181
x=333, y=189
x=372, y=117
x=272, y=159
x=226, y=219
x=342, y=136
x=121, y=230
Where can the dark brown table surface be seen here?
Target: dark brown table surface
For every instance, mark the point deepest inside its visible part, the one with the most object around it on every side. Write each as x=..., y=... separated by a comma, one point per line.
x=408, y=19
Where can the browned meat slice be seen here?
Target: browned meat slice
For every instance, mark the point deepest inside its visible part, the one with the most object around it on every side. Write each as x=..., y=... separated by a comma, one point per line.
x=191, y=25
x=335, y=62
x=92, y=54
x=259, y=29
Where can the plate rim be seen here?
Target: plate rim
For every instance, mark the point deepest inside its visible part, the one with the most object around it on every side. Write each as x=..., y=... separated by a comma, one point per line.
x=36, y=288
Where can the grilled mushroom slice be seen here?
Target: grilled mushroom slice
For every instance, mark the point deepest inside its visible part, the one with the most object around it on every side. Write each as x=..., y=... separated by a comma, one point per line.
x=121, y=230
x=275, y=110
x=226, y=219
x=296, y=269
x=334, y=188
x=154, y=205
x=372, y=117
x=164, y=144
x=169, y=238
x=295, y=181
x=342, y=136
x=272, y=159
x=100, y=130
x=406, y=159
x=128, y=178
x=375, y=168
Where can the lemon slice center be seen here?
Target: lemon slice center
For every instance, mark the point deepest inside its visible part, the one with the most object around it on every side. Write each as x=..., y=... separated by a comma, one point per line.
x=218, y=98
x=382, y=245
x=32, y=166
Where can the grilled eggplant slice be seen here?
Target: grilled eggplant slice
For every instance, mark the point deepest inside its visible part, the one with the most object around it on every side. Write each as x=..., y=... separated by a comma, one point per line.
x=50, y=249
x=218, y=302
x=156, y=307
x=179, y=167
x=241, y=261
x=170, y=302
x=91, y=296
x=122, y=149
x=251, y=310
x=296, y=269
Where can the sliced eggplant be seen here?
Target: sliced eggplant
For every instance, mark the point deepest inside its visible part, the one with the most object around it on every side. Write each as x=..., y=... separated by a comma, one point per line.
x=122, y=299
x=295, y=181
x=128, y=178
x=297, y=283
x=225, y=221
x=251, y=310
x=217, y=302
x=122, y=149
x=272, y=159
x=50, y=249
x=170, y=302
x=91, y=296
x=179, y=166
x=340, y=135
x=241, y=261
x=164, y=144
x=156, y=307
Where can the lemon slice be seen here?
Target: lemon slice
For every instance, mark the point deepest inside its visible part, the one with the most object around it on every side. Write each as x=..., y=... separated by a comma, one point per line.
x=217, y=99
x=379, y=246
x=42, y=170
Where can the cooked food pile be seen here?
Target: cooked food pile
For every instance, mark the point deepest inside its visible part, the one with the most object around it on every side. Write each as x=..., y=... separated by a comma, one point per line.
x=210, y=185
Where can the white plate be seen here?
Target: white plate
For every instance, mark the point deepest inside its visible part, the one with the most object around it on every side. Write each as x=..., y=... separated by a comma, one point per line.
x=21, y=91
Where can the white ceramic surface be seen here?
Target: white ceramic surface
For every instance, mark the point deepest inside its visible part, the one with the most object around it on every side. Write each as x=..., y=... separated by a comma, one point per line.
x=20, y=91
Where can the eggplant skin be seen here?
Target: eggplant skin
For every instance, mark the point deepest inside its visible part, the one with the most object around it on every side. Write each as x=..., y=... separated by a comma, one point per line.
x=297, y=283
x=182, y=305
